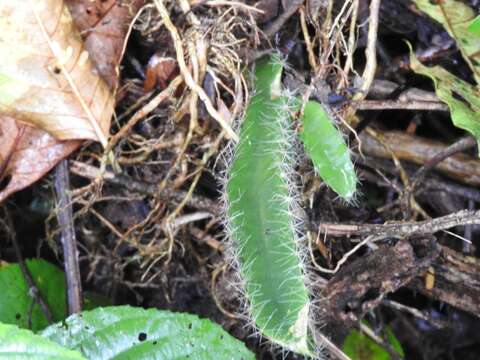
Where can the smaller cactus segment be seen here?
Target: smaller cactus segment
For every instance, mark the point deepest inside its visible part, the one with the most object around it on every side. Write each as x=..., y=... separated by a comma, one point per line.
x=326, y=147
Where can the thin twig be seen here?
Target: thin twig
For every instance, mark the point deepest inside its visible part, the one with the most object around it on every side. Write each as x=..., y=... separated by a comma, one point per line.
x=403, y=229
x=467, y=234
x=371, y=49
x=466, y=192
x=202, y=236
x=143, y=112
x=386, y=345
x=216, y=272
x=352, y=35
x=418, y=150
x=308, y=42
x=438, y=323
x=399, y=105
x=459, y=146
x=238, y=4
x=69, y=241
x=333, y=349
x=33, y=291
x=348, y=254
x=187, y=10
x=194, y=201
x=189, y=218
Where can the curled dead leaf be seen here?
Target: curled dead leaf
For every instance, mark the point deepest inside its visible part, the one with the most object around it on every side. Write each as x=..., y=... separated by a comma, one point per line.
x=160, y=70
x=27, y=155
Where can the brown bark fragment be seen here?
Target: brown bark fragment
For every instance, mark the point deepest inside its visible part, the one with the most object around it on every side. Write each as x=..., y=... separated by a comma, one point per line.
x=457, y=281
x=362, y=284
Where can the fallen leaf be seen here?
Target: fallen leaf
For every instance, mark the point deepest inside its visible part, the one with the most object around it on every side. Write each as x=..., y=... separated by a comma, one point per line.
x=103, y=25
x=37, y=152
x=31, y=153
x=47, y=79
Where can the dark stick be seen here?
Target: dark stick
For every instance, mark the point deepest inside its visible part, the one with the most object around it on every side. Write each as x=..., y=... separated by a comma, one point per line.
x=399, y=105
x=275, y=26
x=33, y=291
x=459, y=146
x=466, y=192
x=69, y=241
x=363, y=124
x=413, y=149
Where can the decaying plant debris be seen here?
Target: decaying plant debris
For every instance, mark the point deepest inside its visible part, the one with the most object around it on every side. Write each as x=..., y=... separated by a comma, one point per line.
x=148, y=223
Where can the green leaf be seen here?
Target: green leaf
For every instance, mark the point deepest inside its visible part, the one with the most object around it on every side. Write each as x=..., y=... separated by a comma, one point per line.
x=360, y=347
x=124, y=332
x=16, y=304
x=474, y=26
x=22, y=344
x=328, y=151
x=456, y=17
x=462, y=98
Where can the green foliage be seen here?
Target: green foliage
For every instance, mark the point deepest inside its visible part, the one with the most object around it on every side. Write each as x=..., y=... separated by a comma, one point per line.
x=456, y=16
x=461, y=97
x=328, y=151
x=22, y=344
x=474, y=26
x=360, y=347
x=124, y=332
x=16, y=306
x=261, y=218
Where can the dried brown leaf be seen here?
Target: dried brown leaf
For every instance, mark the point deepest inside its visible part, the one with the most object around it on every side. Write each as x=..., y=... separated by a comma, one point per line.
x=26, y=155
x=103, y=25
x=47, y=78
